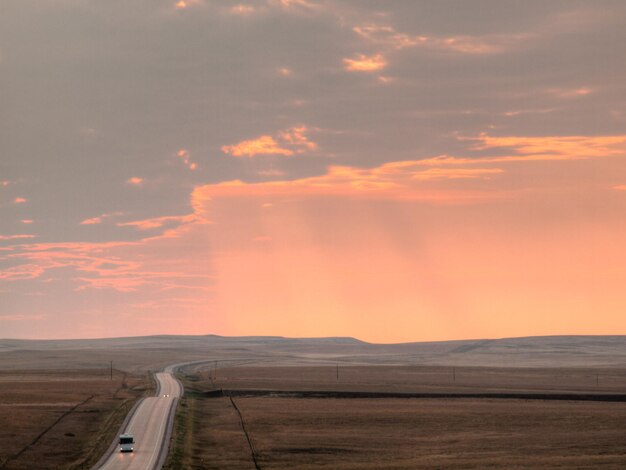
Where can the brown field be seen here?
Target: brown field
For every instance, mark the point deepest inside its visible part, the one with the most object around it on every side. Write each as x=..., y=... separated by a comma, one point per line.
x=412, y=379
x=62, y=418
x=392, y=433
x=434, y=433
x=49, y=419
x=154, y=352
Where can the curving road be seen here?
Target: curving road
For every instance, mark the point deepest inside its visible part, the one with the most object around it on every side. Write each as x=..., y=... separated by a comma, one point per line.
x=149, y=425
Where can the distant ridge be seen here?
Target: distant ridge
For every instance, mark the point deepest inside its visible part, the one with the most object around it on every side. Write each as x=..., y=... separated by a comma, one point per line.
x=124, y=339
x=529, y=351
x=468, y=344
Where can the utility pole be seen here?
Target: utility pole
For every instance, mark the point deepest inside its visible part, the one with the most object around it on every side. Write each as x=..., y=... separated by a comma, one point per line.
x=111, y=370
x=337, y=372
x=453, y=374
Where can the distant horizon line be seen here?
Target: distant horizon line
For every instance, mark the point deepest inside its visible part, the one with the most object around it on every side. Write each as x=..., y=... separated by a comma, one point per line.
x=279, y=337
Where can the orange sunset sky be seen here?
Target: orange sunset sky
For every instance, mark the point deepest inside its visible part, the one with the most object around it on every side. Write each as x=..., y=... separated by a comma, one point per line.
x=394, y=171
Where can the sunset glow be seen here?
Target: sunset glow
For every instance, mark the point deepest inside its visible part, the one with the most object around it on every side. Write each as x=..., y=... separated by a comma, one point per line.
x=399, y=171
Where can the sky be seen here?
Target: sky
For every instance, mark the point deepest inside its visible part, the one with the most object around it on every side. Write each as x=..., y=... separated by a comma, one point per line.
x=394, y=171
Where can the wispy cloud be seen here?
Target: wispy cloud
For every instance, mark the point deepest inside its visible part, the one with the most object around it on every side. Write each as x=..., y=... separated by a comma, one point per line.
x=386, y=79
x=263, y=145
x=570, y=92
x=297, y=139
x=519, y=112
x=16, y=237
x=287, y=143
x=22, y=272
x=305, y=4
x=386, y=36
x=99, y=219
x=159, y=222
x=264, y=7
x=92, y=221
x=185, y=156
x=392, y=180
x=135, y=180
x=183, y=4
x=153, y=264
x=365, y=63
x=388, y=40
x=553, y=147
x=507, y=149
x=101, y=264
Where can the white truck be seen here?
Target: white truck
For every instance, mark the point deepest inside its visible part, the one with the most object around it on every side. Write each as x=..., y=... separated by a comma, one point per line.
x=127, y=443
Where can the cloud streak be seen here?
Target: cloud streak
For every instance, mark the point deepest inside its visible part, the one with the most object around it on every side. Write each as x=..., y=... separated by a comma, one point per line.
x=387, y=37
x=16, y=237
x=364, y=63
x=101, y=218
x=160, y=222
x=554, y=147
x=135, y=181
x=393, y=180
x=286, y=143
x=509, y=149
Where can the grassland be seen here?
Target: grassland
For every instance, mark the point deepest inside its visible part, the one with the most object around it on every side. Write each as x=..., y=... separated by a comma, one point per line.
x=434, y=433
x=391, y=433
x=62, y=419
x=55, y=397
x=411, y=378
x=154, y=352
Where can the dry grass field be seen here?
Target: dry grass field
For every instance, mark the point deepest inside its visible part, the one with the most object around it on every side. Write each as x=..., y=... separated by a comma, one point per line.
x=62, y=418
x=155, y=352
x=434, y=433
x=414, y=378
x=55, y=398
x=405, y=433
x=208, y=435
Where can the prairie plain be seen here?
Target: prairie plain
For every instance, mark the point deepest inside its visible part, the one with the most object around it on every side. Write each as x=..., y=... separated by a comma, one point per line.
x=393, y=433
x=305, y=417
x=275, y=403
x=62, y=418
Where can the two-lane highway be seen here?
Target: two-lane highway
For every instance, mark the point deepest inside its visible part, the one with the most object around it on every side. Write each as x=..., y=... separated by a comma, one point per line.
x=148, y=424
x=168, y=385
